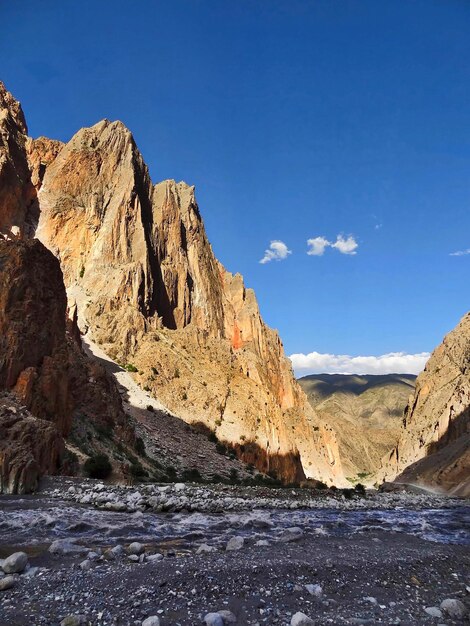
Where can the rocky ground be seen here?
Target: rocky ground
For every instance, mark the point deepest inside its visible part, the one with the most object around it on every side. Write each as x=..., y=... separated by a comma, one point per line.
x=335, y=562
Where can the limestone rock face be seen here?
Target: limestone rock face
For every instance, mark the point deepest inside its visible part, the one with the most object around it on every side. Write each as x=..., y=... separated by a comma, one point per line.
x=435, y=439
x=137, y=261
x=18, y=204
x=29, y=447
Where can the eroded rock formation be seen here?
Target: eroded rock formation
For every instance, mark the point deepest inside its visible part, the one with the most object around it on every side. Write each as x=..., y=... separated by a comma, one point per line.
x=435, y=439
x=136, y=259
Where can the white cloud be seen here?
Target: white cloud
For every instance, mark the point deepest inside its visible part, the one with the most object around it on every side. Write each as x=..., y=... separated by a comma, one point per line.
x=345, y=246
x=460, y=252
x=378, y=226
x=277, y=251
x=392, y=363
x=317, y=246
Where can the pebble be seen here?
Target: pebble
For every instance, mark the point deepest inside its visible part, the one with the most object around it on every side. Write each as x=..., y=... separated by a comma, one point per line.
x=300, y=619
x=314, y=590
x=15, y=563
x=153, y=620
x=136, y=548
x=454, y=608
x=73, y=620
x=7, y=583
x=85, y=565
x=205, y=548
x=433, y=611
x=228, y=617
x=213, y=619
x=235, y=543
x=153, y=558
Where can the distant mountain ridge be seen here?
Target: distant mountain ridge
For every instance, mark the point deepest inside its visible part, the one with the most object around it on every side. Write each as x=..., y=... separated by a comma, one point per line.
x=366, y=411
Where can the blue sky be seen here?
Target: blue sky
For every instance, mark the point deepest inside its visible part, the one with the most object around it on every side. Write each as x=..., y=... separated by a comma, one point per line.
x=295, y=120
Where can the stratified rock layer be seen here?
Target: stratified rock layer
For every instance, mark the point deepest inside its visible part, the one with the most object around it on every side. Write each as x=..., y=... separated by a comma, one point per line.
x=136, y=259
x=435, y=439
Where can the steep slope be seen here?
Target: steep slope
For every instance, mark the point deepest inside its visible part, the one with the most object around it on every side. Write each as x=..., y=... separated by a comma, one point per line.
x=136, y=260
x=366, y=413
x=434, y=446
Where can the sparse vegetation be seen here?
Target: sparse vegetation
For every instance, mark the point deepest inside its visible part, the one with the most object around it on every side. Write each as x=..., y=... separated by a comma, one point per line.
x=98, y=466
x=130, y=368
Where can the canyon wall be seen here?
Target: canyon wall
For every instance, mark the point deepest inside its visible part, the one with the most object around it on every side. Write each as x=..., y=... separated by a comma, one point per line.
x=137, y=262
x=434, y=447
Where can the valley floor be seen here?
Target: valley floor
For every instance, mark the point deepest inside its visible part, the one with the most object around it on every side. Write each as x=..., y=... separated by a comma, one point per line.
x=383, y=559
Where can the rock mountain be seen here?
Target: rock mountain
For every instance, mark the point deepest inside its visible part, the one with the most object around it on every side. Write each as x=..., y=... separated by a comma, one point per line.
x=145, y=285
x=365, y=411
x=434, y=446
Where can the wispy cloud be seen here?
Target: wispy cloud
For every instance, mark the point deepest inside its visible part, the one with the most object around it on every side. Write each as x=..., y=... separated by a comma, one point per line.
x=277, y=251
x=460, y=252
x=317, y=246
x=345, y=245
x=392, y=363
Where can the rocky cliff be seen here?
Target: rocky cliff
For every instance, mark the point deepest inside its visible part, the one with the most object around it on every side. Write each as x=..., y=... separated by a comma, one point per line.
x=137, y=261
x=41, y=358
x=435, y=439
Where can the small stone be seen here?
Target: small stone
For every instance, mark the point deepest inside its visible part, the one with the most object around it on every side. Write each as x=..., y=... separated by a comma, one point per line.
x=454, y=608
x=93, y=556
x=179, y=486
x=370, y=599
x=262, y=543
x=300, y=619
x=153, y=620
x=213, y=619
x=109, y=555
x=235, y=543
x=15, y=563
x=205, y=548
x=228, y=617
x=433, y=611
x=73, y=620
x=85, y=565
x=153, y=558
x=7, y=583
x=314, y=590
x=118, y=550
x=136, y=548
x=133, y=557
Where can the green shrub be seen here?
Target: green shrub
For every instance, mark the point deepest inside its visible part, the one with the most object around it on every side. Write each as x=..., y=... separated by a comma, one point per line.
x=359, y=488
x=98, y=466
x=82, y=271
x=140, y=446
x=177, y=373
x=137, y=471
x=130, y=368
x=193, y=475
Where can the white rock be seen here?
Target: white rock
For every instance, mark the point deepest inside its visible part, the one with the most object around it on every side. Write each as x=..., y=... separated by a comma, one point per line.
x=314, y=590
x=262, y=543
x=454, y=608
x=15, y=563
x=133, y=557
x=235, y=543
x=7, y=582
x=370, y=599
x=433, y=611
x=153, y=558
x=85, y=565
x=153, y=620
x=300, y=619
x=136, y=548
x=213, y=619
x=179, y=486
x=205, y=548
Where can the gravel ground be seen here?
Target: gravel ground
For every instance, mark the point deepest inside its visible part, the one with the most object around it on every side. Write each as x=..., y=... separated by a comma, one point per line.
x=349, y=572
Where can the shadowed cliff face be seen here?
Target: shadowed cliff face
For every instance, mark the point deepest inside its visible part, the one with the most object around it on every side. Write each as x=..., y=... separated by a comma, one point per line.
x=136, y=259
x=435, y=438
